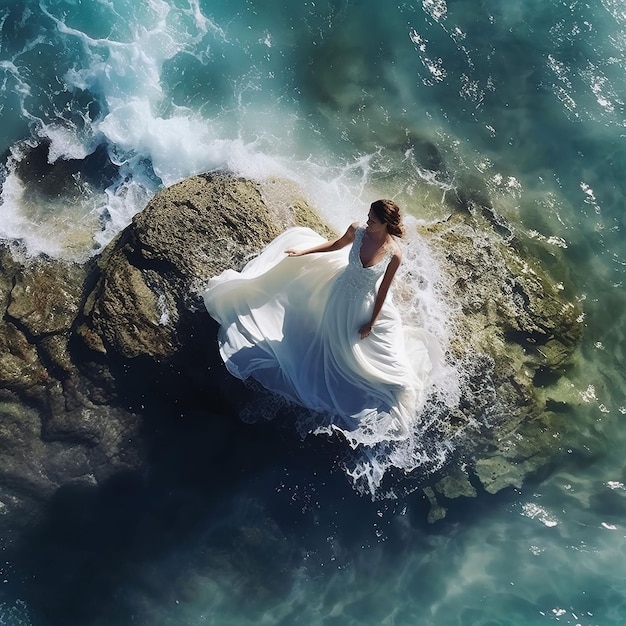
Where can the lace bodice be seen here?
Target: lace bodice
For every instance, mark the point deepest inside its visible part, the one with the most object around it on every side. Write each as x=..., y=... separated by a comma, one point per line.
x=359, y=281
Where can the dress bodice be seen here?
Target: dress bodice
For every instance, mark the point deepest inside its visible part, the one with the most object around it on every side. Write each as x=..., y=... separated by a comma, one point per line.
x=357, y=280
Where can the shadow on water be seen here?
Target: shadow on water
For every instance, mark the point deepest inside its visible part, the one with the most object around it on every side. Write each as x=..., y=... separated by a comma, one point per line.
x=94, y=544
x=224, y=509
x=223, y=514
x=217, y=499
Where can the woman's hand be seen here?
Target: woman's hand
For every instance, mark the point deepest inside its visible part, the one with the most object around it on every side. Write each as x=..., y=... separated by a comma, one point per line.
x=293, y=252
x=365, y=330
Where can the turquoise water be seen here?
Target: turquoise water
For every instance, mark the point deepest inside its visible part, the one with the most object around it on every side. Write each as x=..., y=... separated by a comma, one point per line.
x=346, y=98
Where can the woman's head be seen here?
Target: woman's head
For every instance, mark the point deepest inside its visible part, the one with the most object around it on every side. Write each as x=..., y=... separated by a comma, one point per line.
x=388, y=212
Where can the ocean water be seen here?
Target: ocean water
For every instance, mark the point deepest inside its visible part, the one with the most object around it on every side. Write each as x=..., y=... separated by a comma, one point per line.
x=104, y=102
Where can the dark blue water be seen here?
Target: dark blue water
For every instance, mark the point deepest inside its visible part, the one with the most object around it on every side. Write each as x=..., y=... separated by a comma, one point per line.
x=352, y=100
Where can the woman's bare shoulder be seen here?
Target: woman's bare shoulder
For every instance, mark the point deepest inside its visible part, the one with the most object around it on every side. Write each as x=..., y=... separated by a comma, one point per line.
x=351, y=230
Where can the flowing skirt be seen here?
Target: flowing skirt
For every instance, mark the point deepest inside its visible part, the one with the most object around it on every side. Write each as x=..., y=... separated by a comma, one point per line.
x=292, y=323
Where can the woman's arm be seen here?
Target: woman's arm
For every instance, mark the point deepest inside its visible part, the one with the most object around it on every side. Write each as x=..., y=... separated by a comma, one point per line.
x=390, y=272
x=341, y=242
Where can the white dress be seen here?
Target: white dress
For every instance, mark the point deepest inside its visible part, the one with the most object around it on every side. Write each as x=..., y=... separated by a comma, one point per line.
x=292, y=324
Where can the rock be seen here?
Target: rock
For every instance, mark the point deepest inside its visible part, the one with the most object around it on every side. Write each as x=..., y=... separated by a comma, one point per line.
x=146, y=294
x=456, y=484
x=436, y=511
x=45, y=296
x=50, y=431
x=515, y=332
x=519, y=331
x=19, y=362
x=98, y=357
x=53, y=177
x=496, y=473
x=20, y=367
x=33, y=467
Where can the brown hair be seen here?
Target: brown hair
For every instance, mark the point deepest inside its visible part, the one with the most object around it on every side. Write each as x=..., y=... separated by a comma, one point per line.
x=388, y=212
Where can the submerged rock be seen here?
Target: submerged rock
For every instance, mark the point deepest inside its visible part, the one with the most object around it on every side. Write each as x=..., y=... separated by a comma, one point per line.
x=91, y=353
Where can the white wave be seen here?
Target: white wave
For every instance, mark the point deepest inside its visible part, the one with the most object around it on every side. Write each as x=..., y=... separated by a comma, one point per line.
x=152, y=141
x=64, y=144
x=56, y=228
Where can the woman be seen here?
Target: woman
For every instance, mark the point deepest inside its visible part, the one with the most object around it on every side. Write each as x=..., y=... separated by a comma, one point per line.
x=376, y=245
x=318, y=327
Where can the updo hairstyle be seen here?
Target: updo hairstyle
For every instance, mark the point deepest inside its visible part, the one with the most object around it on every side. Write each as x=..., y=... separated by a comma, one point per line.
x=388, y=212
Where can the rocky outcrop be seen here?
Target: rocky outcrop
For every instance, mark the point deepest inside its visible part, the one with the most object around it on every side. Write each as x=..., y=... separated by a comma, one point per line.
x=88, y=349
x=91, y=353
x=517, y=334
x=51, y=431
